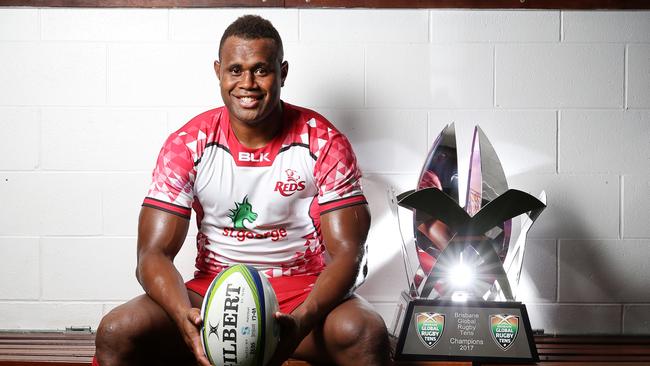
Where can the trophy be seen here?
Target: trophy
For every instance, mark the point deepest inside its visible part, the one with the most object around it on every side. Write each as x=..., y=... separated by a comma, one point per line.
x=460, y=304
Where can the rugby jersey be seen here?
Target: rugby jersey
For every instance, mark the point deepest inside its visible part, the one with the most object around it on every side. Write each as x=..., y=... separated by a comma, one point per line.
x=257, y=206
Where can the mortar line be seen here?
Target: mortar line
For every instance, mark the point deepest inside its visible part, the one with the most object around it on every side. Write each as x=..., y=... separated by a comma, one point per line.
x=625, y=77
x=561, y=26
x=621, y=208
x=557, y=275
x=557, y=141
x=494, y=76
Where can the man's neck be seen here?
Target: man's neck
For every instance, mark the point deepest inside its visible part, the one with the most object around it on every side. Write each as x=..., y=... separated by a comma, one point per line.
x=257, y=135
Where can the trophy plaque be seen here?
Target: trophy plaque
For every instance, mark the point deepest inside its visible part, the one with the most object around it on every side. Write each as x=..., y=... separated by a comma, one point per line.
x=460, y=304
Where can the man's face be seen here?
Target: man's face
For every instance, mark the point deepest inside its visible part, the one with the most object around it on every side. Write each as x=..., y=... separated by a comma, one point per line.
x=250, y=76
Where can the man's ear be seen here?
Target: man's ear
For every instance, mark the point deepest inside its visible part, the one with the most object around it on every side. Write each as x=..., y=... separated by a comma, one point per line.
x=284, y=71
x=217, y=68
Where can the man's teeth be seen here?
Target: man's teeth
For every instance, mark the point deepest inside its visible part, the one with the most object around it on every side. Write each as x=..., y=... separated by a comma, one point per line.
x=247, y=99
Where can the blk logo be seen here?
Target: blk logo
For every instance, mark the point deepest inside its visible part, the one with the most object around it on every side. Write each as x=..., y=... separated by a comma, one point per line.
x=254, y=158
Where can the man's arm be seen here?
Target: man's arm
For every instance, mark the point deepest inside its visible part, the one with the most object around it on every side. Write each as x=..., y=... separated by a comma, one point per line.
x=160, y=237
x=344, y=233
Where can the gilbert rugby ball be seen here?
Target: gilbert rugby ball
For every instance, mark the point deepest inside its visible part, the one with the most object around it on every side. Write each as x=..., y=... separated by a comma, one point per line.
x=238, y=323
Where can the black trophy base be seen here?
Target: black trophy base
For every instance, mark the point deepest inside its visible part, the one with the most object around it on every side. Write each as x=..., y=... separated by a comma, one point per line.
x=477, y=331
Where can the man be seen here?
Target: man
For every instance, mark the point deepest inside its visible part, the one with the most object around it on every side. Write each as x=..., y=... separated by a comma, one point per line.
x=272, y=185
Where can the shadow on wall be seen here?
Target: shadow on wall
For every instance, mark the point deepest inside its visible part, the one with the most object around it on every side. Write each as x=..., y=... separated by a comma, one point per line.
x=585, y=285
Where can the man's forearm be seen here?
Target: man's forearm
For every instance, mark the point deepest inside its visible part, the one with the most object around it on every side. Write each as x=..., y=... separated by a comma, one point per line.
x=160, y=237
x=163, y=283
x=334, y=284
x=344, y=233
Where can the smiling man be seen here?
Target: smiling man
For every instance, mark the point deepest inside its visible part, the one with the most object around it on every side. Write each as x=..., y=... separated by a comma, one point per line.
x=272, y=185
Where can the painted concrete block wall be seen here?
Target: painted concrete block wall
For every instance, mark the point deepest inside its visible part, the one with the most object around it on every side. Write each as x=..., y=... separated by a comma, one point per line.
x=87, y=96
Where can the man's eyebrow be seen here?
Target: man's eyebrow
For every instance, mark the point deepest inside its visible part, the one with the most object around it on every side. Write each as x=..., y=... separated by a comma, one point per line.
x=262, y=64
x=255, y=66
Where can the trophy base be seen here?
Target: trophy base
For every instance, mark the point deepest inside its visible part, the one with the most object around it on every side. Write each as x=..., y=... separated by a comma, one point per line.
x=477, y=331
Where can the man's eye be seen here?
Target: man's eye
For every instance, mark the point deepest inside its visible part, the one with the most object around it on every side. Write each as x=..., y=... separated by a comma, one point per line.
x=261, y=71
x=235, y=71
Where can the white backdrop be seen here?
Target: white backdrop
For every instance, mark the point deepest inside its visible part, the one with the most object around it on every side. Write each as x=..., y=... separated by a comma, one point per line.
x=87, y=96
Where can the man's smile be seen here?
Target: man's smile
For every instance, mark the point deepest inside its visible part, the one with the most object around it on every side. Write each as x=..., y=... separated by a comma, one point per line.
x=249, y=101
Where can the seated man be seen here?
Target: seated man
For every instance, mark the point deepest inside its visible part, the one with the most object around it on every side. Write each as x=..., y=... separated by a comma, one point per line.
x=272, y=185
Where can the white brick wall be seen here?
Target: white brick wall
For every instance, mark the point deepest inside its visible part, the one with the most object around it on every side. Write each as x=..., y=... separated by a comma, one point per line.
x=101, y=139
x=606, y=26
x=88, y=96
x=306, y=60
x=20, y=272
x=367, y=26
x=587, y=132
x=52, y=73
x=638, y=78
x=636, y=200
x=576, y=319
x=19, y=24
x=494, y=26
x=104, y=25
x=559, y=75
x=158, y=82
x=21, y=129
x=208, y=24
x=603, y=271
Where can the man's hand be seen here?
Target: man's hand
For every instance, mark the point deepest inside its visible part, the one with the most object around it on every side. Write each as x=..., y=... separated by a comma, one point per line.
x=291, y=335
x=189, y=327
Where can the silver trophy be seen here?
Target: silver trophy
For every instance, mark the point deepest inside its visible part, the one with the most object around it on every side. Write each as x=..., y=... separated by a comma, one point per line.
x=461, y=302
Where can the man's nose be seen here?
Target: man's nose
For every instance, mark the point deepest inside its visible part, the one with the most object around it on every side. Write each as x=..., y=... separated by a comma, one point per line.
x=248, y=80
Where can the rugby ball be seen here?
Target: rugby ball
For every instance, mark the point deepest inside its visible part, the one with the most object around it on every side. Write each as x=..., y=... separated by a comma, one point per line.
x=238, y=323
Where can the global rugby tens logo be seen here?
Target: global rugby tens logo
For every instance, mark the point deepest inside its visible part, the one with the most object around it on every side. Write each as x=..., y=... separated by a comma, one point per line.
x=290, y=185
x=504, y=329
x=429, y=327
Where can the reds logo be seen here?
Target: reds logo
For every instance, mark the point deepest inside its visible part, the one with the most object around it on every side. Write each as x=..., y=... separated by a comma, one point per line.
x=290, y=185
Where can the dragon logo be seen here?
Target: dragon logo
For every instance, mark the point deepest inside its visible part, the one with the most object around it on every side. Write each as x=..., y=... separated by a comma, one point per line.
x=242, y=212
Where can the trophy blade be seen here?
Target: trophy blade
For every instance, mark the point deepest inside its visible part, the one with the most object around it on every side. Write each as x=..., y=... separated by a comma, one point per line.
x=474, y=194
x=494, y=181
x=440, y=168
x=508, y=205
x=486, y=182
x=513, y=262
x=440, y=171
x=408, y=268
x=436, y=205
x=492, y=269
x=494, y=185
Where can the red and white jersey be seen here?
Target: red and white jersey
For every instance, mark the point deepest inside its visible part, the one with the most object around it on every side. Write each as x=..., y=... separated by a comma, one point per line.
x=257, y=206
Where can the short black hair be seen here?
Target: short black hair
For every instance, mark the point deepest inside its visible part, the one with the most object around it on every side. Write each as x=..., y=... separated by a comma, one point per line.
x=253, y=27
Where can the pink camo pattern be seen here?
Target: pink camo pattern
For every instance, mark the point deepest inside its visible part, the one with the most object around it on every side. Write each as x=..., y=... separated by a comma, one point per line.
x=173, y=177
x=337, y=173
x=333, y=171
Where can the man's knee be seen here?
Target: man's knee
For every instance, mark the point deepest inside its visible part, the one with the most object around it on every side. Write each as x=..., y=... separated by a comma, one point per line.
x=362, y=329
x=126, y=329
x=115, y=333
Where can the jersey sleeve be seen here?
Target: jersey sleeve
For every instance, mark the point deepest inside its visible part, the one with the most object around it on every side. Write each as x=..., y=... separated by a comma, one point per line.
x=337, y=176
x=172, y=181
